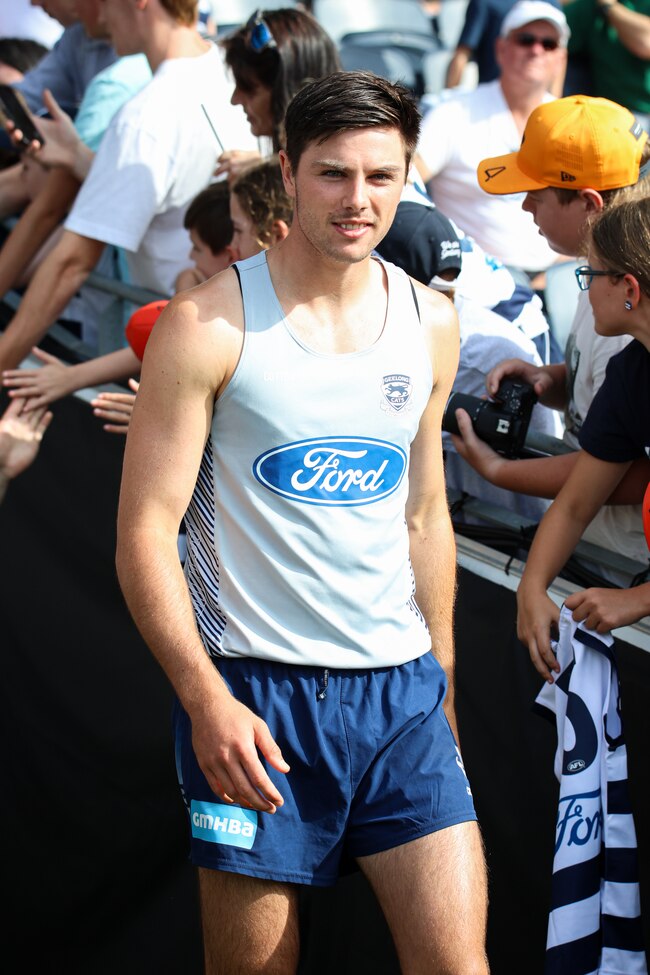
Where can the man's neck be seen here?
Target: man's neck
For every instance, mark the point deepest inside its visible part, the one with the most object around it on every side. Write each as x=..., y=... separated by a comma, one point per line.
x=167, y=41
x=522, y=101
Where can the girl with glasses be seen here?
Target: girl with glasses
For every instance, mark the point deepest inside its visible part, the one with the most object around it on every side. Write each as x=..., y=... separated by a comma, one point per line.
x=616, y=432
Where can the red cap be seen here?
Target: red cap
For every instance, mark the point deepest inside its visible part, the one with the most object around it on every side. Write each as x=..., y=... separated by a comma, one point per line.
x=140, y=323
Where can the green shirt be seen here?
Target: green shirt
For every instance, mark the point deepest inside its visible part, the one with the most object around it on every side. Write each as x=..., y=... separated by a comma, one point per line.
x=616, y=73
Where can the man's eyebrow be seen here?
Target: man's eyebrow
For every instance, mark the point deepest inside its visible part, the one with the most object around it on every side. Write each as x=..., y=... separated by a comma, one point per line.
x=334, y=164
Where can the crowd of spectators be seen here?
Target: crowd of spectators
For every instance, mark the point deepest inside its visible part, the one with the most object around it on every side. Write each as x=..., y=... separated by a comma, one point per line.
x=156, y=165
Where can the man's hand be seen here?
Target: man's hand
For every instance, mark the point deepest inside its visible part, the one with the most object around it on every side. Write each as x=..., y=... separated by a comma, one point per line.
x=537, y=620
x=226, y=740
x=20, y=438
x=603, y=610
x=475, y=451
x=526, y=372
x=38, y=387
x=116, y=408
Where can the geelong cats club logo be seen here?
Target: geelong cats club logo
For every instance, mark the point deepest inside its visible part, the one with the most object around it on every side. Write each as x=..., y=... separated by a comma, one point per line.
x=396, y=390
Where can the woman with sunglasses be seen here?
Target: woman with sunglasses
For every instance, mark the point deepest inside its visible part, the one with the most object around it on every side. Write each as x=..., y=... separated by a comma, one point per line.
x=615, y=432
x=271, y=57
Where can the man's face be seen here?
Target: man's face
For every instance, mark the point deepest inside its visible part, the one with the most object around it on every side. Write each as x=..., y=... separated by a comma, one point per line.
x=121, y=22
x=530, y=64
x=92, y=15
x=563, y=224
x=346, y=191
x=65, y=11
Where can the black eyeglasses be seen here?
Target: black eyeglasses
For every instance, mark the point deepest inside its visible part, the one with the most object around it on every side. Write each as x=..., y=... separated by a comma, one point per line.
x=260, y=37
x=529, y=40
x=585, y=274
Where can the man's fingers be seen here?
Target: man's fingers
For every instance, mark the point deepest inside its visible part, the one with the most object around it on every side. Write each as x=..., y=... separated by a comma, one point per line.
x=252, y=784
x=270, y=748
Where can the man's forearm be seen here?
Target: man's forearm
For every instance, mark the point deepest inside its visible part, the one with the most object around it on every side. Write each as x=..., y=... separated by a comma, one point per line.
x=34, y=227
x=56, y=281
x=632, y=28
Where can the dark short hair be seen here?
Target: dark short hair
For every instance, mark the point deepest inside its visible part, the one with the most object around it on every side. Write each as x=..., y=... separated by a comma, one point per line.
x=21, y=53
x=349, y=100
x=303, y=51
x=261, y=194
x=209, y=215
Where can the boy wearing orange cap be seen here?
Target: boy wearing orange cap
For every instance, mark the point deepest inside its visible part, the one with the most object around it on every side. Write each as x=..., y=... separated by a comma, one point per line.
x=578, y=155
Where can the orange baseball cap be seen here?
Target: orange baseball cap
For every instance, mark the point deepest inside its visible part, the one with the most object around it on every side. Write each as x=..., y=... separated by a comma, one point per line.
x=139, y=325
x=573, y=142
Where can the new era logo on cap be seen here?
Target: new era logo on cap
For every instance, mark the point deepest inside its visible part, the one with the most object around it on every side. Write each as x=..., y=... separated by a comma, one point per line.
x=567, y=177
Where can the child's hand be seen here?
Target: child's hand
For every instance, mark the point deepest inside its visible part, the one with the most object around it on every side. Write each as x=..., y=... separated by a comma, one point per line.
x=39, y=386
x=537, y=620
x=475, y=451
x=116, y=408
x=603, y=610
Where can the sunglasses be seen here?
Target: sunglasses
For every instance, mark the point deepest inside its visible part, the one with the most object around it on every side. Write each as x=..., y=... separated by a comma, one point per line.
x=585, y=274
x=259, y=33
x=529, y=40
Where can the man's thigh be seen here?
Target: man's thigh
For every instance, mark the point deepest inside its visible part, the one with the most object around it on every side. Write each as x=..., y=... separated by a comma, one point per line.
x=249, y=925
x=433, y=892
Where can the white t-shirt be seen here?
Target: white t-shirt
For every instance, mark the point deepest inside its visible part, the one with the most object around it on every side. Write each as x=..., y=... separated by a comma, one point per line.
x=617, y=527
x=457, y=134
x=157, y=154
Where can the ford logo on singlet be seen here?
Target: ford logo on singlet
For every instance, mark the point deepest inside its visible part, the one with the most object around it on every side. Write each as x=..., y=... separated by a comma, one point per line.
x=333, y=470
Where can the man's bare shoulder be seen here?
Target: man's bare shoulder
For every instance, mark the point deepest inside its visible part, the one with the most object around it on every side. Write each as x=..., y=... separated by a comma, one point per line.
x=201, y=327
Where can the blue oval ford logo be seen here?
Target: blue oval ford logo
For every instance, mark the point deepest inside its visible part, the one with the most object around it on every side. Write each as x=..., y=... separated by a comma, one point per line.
x=333, y=470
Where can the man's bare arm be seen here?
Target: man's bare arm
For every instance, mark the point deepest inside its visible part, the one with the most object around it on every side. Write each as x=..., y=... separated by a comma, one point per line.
x=632, y=28
x=458, y=63
x=35, y=225
x=56, y=281
x=190, y=356
x=13, y=192
x=431, y=536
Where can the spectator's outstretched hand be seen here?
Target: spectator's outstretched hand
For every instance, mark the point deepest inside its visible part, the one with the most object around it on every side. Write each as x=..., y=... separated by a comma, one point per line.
x=38, y=387
x=537, y=624
x=61, y=141
x=116, y=408
x=20, y=438
x=475, y=451
x=603, y=610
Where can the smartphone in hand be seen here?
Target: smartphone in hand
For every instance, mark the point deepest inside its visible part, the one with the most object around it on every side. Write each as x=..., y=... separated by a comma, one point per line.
x=14, y=108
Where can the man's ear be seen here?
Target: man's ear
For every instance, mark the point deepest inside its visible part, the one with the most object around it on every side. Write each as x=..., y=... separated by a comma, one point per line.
x=592, y=199
x=279, y=231
x=287, y=173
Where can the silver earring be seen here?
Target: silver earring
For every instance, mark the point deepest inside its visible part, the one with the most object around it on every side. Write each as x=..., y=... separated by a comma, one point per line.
x=628, y=306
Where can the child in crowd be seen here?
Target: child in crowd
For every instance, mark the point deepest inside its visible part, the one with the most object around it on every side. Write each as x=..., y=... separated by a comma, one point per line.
x=615, y=432
x=261, y=214
x=210, y=227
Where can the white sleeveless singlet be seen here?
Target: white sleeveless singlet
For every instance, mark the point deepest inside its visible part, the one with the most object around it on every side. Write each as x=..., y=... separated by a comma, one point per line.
x=298, y=548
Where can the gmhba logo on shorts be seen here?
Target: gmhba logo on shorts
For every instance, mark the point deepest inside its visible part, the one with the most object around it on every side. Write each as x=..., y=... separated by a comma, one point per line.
x=334, y=471
x=215, y=822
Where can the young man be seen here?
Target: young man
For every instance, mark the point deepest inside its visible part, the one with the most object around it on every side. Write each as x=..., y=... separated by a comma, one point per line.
x=300, y=389
x=578, y=156
x=164, y=145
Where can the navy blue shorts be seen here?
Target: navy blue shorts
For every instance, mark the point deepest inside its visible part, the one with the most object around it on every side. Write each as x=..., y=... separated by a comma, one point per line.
x=373, y=765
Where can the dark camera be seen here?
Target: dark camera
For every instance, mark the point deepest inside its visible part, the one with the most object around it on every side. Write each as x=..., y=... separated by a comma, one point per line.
x=503, y=422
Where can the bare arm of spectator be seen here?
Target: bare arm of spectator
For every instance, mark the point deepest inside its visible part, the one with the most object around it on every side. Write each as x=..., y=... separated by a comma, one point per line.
x=13, y=192
x=20, y=440
x=605, y=609
x=55, y=379
x=62, y=146
x=35, y=225
x=632, y=28
x=458, y=63
x=57, y=279
x=116, y=409
x=591, y=483
x=540, y=477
